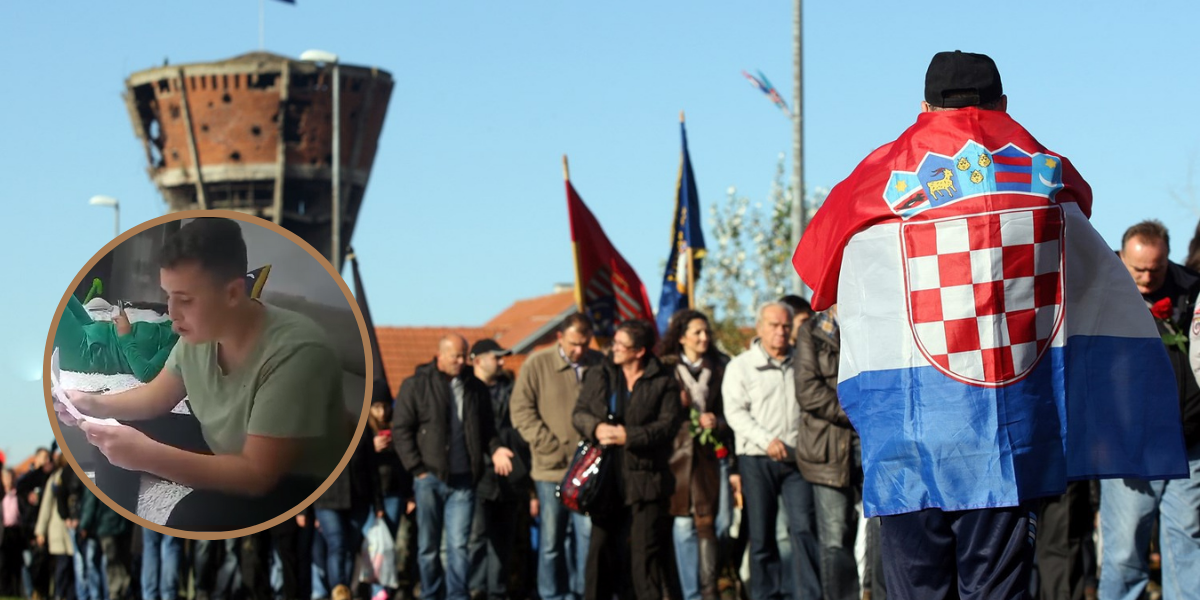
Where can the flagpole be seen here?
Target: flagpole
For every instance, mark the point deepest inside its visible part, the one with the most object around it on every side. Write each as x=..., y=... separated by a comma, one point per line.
x=574, y=244
x=799, y=214
x=691, y=275
x=261, y=27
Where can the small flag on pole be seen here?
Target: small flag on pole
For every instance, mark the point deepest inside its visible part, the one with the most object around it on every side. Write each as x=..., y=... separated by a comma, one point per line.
x=764, y=85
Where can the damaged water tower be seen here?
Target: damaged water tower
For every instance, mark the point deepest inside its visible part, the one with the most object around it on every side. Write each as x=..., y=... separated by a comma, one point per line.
x=255, y=134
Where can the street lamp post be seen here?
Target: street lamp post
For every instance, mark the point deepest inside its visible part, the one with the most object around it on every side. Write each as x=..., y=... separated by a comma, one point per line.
x=799, y=214
x=116, y=206
x=335, y=254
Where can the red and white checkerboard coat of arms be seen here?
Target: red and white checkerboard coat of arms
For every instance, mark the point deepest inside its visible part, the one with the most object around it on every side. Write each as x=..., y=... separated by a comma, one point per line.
x=985, y=292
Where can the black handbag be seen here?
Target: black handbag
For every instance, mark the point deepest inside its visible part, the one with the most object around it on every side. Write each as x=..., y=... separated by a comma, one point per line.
x=585, y=485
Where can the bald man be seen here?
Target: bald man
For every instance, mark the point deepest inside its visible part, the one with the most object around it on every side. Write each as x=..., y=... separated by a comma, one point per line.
x=443, y=427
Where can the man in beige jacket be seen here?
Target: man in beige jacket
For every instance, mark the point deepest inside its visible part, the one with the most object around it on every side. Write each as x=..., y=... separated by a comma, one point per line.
x=541, y=407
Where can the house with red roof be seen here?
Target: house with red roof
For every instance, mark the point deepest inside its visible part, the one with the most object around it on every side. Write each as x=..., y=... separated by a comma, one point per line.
x=525, y=326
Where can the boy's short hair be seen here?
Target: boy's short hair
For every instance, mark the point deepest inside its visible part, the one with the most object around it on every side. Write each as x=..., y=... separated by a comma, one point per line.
x=213, y=242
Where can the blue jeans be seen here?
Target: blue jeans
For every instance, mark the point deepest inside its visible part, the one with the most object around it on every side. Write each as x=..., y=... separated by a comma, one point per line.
x=560, y=575
x=276, y=575
x=340, y=530
x=724, y=503
x=448, y=506
x=89, y=569
x=160, y=565
x=320, y=558
x=763, y=481
x=1127, y=511
x=202, y=553
x=229, y=576
x=837, y=526
x=391, y=515
x=687, y=556
x=26, y=576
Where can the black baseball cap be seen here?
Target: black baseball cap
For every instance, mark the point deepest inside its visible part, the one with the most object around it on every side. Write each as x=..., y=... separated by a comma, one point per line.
x=488, y=345
x=959, y=79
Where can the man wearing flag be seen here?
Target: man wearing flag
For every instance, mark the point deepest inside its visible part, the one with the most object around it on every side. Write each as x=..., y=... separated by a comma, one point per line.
x=992, y=345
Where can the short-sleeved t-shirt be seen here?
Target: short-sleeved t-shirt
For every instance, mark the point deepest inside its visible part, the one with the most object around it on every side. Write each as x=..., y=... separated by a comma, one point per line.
x=290, y=386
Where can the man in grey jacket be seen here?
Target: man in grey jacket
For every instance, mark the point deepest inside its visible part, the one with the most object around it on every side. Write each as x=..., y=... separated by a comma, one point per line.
x=760, y=405
x=542, y=404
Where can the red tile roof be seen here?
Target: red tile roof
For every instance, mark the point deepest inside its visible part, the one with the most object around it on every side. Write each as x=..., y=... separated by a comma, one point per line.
x=403, y=349
x=525, y=317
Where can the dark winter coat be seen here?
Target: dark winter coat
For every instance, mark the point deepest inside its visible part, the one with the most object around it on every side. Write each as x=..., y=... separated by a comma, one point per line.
x=651, y=414
x=422, y=424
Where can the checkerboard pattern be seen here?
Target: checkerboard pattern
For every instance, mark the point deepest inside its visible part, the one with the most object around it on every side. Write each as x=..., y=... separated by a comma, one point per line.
x=985, y=291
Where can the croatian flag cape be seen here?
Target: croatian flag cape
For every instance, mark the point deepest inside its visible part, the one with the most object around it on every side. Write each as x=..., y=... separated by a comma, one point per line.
x=993, y=345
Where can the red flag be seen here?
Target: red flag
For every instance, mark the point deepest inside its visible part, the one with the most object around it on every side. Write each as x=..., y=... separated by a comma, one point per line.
x=607, y=289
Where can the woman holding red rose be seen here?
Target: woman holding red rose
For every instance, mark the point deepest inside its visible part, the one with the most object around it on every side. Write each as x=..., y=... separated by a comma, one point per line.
x=701, y=445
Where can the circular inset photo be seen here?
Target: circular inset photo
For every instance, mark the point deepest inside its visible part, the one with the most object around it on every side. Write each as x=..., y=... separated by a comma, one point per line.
x=206, y=374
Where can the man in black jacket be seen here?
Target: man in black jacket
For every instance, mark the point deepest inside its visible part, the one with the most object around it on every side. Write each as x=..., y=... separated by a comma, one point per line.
x=499, y=500
x=444, y=427
x=1128, y=507
x=643, y=397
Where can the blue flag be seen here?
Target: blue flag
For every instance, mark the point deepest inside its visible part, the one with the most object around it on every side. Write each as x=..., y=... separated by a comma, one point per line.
x=687, y=240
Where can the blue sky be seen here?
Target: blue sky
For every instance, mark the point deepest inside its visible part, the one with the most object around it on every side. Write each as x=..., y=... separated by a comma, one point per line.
x=465, y=211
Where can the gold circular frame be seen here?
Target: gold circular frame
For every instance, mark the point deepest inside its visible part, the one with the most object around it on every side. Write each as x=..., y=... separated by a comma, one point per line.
x=367, y=356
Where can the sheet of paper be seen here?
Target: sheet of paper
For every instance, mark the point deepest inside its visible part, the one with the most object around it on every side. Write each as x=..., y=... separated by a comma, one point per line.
x=60, y=395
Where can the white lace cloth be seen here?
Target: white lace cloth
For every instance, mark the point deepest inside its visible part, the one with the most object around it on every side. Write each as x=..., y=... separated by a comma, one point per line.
x=156, y=497
x=109, y=384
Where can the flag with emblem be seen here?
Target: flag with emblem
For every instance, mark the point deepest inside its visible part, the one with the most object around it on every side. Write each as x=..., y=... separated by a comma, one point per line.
x=993, y=346
x=687, y=244
x=606, y=288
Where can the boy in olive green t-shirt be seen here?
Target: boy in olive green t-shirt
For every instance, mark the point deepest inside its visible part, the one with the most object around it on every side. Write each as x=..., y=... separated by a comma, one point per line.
x=263, y=383
x=293, y=360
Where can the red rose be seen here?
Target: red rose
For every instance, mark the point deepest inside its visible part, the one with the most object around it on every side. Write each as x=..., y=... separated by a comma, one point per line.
x=1162, y=309
x=722, y=452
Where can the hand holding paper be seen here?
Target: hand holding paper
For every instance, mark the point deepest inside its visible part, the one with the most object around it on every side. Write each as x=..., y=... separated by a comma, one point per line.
x=122, y=445
x=65, y=401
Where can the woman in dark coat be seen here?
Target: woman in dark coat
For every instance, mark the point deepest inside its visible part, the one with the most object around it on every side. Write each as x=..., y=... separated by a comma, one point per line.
x=701, y=444
x=629, y=529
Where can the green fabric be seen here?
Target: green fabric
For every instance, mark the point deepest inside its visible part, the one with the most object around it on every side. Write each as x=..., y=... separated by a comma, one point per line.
x=78, y=311
x=98, y=519
x=89, y=346
x=290, y=386
x=147, y=347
